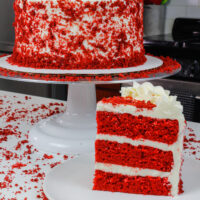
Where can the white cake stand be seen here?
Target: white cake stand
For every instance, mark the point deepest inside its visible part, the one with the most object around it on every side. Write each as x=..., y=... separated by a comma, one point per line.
x=74, y=131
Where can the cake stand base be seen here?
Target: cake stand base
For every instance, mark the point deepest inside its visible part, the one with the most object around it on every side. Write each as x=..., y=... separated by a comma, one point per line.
x=71, y=132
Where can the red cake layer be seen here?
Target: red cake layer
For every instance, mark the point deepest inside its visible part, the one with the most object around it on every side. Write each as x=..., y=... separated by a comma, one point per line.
x=136, y=127
x=133, y=156
x=131, y=184
x=129, y=101
x=78, y=34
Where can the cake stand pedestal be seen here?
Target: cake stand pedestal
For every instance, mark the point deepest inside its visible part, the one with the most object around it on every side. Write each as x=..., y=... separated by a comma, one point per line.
x=74, y=131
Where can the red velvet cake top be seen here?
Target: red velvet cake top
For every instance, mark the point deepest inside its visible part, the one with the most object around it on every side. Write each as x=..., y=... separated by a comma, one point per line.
x=129, y=101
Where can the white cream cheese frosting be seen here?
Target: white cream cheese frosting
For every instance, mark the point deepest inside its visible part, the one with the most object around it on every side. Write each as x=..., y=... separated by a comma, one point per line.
x=164, y=102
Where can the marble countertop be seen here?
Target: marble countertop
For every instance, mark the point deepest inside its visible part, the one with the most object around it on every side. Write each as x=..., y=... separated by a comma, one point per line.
x=23, y=167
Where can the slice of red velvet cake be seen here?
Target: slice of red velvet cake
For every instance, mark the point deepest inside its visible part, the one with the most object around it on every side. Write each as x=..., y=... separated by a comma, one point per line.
x=139, y=142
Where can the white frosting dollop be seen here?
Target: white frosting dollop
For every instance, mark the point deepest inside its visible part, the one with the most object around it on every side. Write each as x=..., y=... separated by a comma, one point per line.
x=165, y=103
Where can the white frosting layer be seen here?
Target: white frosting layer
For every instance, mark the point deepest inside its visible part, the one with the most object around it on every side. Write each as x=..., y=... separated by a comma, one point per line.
x=167, y=107
x=124, y=139
x=129, y=171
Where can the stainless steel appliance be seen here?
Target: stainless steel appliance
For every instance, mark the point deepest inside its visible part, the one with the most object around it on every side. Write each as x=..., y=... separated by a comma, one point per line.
x=183, y=44
x=6, y=29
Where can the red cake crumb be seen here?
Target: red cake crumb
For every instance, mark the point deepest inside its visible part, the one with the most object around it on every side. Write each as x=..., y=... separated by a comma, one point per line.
x=161, y=130
x=18, y=165
x=133, y=156
x=19, y=159
x=20, y=143
x=129, y=101
x=45, y=156
x=131, y=184
x=52, y=165
x=192, y=144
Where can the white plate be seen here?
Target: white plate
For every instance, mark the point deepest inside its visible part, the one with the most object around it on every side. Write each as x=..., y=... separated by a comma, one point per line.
x=74, y=179
x=151, y=63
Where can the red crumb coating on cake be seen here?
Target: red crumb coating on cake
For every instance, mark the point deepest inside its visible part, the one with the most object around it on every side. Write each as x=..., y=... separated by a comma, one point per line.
x=180, y=186
x=78, y=34
x=133, y=156
x=129, y=101
x=131, y=184
x=137, y=127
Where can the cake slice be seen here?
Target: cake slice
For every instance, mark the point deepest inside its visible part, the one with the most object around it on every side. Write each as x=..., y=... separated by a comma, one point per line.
x=139, y=142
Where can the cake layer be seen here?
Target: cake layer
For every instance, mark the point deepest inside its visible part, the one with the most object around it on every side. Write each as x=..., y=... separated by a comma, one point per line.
x=136, y=127
x=78, y=34
x=131, y=184
x=133, y=156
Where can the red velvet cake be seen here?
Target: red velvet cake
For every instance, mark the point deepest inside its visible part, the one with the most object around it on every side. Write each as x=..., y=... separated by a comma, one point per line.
x=139, y=142
x=78, y=34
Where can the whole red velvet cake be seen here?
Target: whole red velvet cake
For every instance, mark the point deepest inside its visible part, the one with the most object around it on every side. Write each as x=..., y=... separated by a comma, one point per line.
x=78, y=34
x=139, y=142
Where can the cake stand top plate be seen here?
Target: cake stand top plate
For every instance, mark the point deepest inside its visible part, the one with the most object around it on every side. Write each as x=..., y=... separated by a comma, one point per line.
x=151, y=63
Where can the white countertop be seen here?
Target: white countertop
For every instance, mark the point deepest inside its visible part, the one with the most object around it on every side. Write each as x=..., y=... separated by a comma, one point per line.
x=22, y=167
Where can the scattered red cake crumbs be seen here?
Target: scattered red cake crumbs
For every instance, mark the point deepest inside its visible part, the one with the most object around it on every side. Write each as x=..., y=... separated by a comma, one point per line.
x=8, y=155
x=192, y=144
x=129, y=101
x=35, y=180
x=42, y=196
x=47, y=156
x=18, y=165
x=20, y=143
x=9, y=131
x=55, y=164
x=20, y=161
x=3, y=185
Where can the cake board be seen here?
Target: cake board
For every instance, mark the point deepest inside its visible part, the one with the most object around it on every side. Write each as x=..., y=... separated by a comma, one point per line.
x=74, y=131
